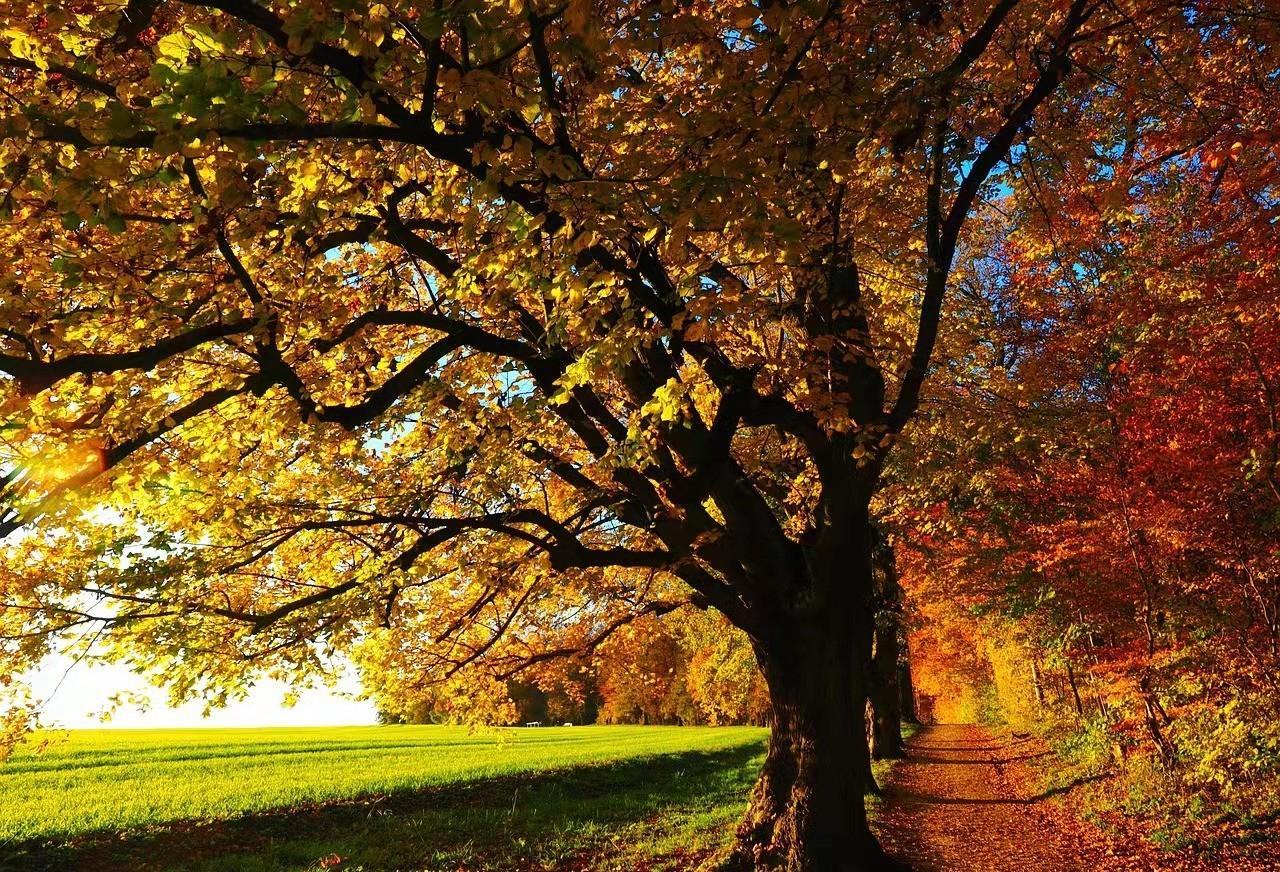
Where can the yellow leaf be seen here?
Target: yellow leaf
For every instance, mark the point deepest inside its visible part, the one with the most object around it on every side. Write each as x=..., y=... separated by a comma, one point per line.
x=24, y=47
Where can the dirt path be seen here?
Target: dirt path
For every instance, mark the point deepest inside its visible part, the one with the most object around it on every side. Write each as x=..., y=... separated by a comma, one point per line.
x=961, y=802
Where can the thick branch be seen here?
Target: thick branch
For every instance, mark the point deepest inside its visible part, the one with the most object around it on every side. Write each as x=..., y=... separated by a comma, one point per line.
x=37, y=375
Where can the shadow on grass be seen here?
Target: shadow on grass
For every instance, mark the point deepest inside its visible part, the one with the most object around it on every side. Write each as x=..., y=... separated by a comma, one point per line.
x=668, y=811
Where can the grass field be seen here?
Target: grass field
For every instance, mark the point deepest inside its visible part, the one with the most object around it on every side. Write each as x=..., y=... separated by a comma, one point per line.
x=376, y=797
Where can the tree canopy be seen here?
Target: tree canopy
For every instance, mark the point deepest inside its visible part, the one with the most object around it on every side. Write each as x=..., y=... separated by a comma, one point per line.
x=469, y=333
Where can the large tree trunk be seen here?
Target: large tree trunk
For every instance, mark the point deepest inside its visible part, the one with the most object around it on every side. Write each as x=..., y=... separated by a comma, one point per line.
x=807, y=812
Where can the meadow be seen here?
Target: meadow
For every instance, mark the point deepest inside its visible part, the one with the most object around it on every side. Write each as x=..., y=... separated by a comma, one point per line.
x=376, y=797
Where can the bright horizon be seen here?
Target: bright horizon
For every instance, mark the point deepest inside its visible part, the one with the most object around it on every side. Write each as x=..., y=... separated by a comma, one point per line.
x=74, y=701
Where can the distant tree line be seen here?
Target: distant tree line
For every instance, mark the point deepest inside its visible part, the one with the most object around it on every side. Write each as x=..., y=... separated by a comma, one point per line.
x=689, y=668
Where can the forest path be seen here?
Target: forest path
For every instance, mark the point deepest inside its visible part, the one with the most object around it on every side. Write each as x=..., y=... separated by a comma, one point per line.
x=962, y=801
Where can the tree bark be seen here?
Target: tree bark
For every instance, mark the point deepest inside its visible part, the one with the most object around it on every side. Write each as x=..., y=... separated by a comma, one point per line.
x=1152, y=708
x=807, y=812
x=907, y=690
x=1075, y=689
x=870, y=734
x=886, y=727
x=886, y=703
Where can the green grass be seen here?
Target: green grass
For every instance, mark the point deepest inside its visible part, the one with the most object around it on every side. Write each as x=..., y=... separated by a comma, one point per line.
x=375, y=799
x=379, y=797
x=670, y=813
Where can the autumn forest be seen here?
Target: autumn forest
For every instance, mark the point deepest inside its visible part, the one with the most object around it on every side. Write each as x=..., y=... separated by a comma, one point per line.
x=865, y=416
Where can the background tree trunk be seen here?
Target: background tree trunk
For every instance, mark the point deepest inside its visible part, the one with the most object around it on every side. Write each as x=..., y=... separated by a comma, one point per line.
x=885, y=695
x=1075, y=689
x=906, y=689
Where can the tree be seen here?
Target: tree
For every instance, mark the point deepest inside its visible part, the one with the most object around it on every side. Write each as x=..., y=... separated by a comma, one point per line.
x=1109, y=535
x=722, y=675
x=428, y=324
x=885, y=694
x=643, y=678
